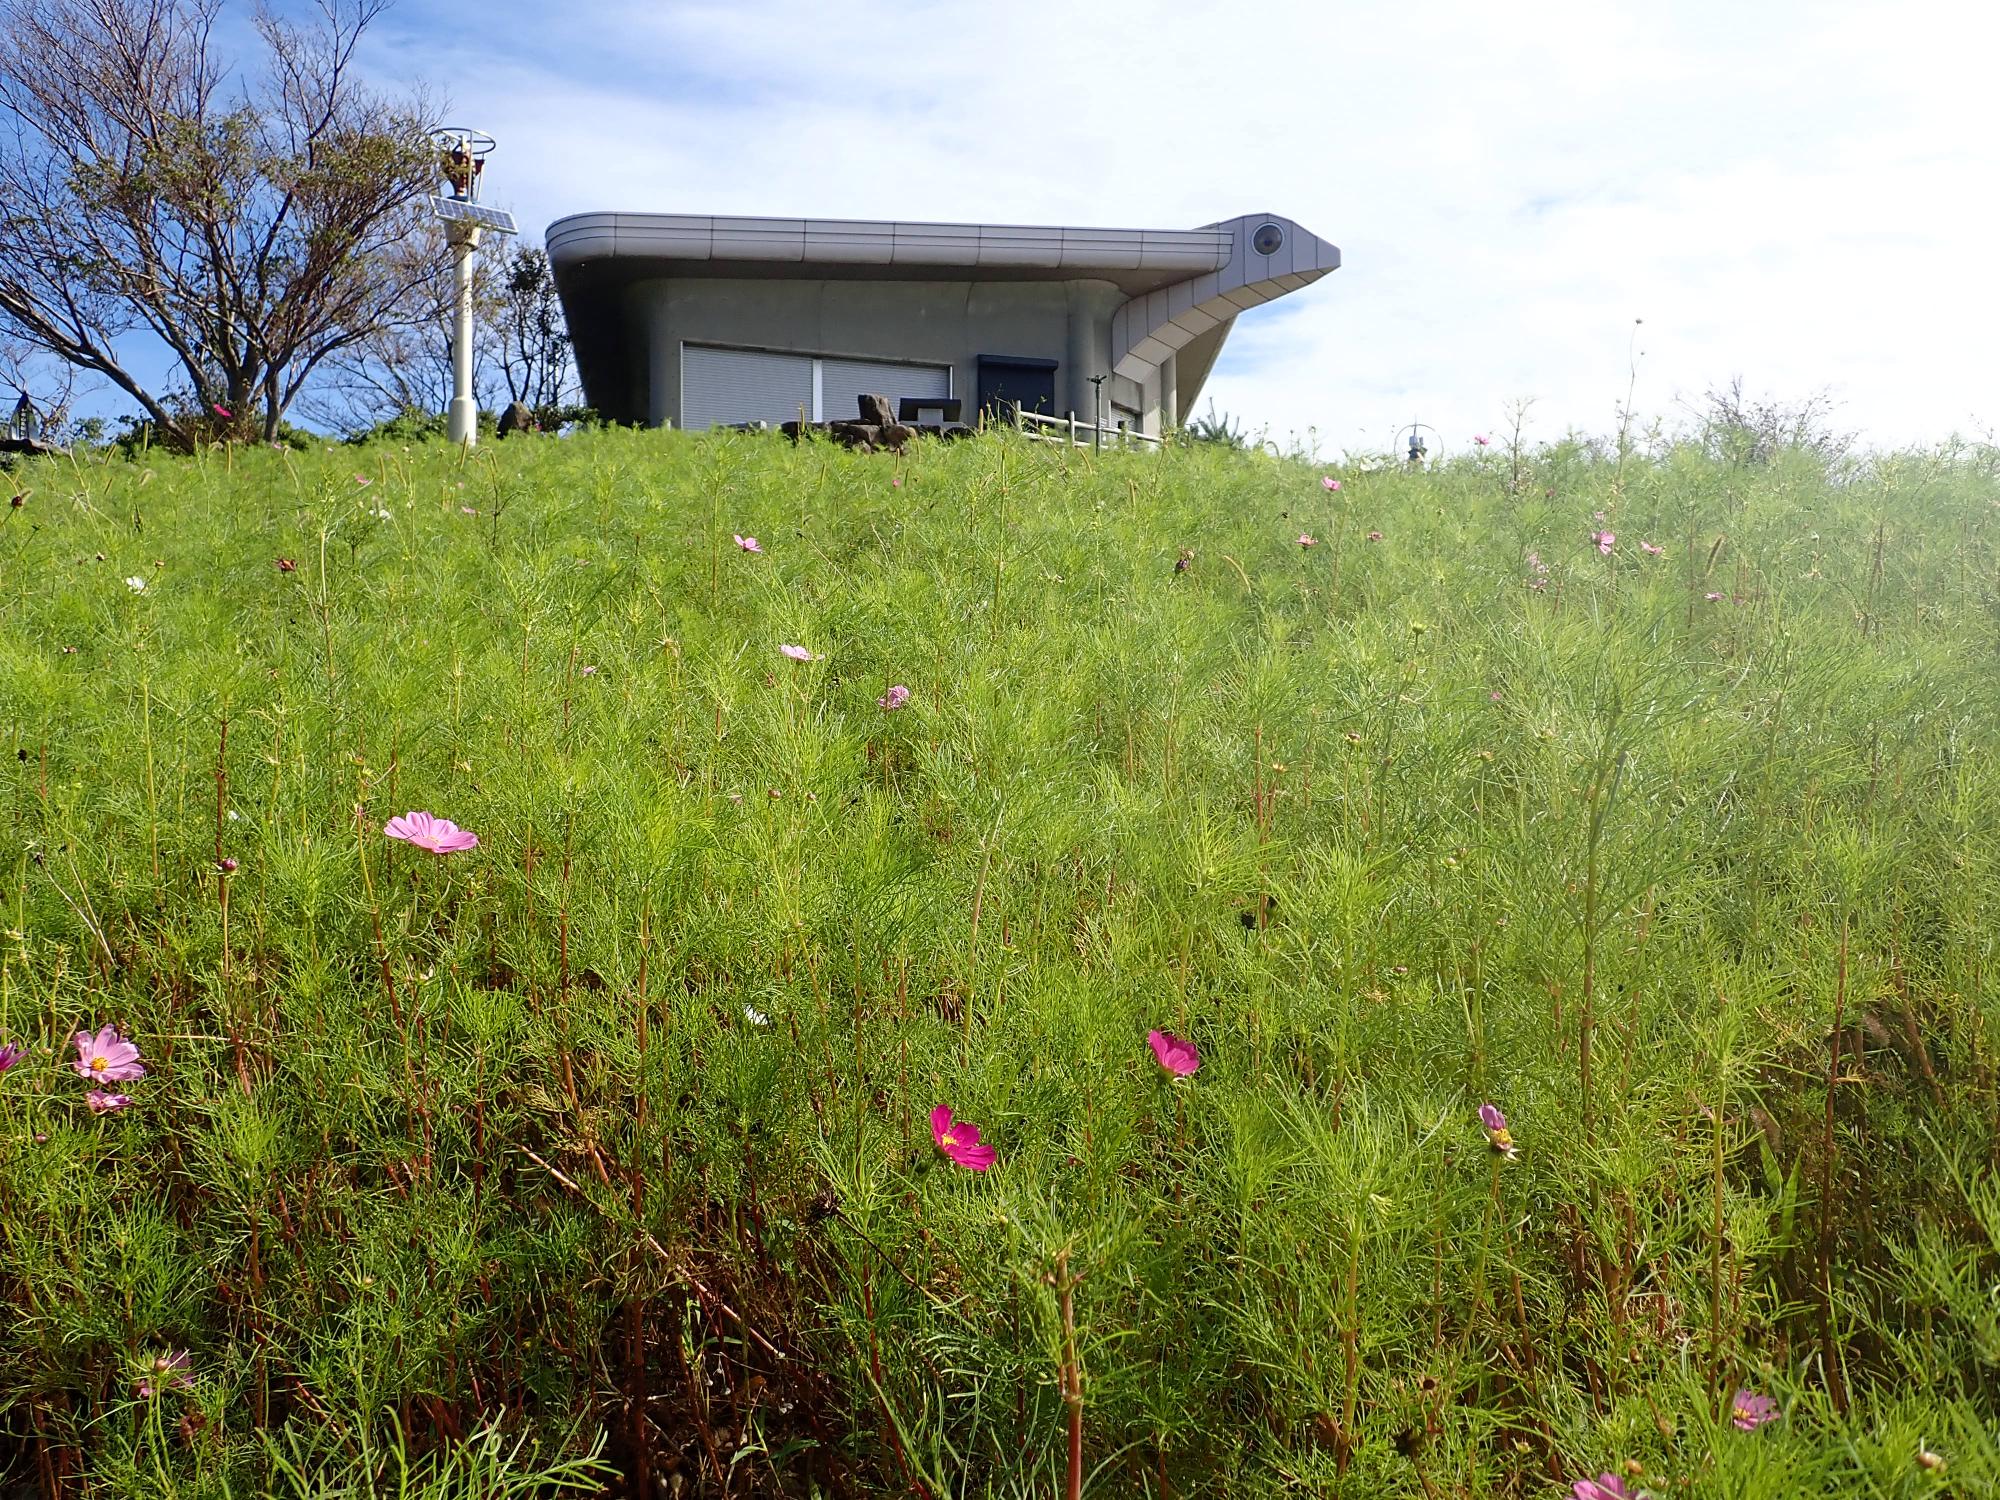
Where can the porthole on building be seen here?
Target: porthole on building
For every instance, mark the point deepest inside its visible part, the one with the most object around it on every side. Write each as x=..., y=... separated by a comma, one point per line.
x=703, y=322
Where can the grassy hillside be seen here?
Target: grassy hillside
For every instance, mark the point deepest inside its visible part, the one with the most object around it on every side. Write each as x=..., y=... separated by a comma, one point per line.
x=602, y=1153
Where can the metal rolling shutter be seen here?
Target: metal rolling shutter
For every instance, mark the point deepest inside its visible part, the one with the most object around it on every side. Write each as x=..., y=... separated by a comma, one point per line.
x=841, y=381
x=721, y=386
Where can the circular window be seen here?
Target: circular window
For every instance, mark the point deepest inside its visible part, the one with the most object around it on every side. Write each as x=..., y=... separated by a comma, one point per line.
x=1268, y=240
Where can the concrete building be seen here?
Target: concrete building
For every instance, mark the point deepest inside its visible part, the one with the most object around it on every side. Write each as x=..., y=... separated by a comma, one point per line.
x=706, y=321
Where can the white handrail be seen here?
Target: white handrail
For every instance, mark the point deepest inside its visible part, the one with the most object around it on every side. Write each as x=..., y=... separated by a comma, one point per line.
x=1077, y=434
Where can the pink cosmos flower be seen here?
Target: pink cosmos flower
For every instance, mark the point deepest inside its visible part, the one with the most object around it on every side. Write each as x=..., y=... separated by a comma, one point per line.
x=1178, y=1056
x=223, y=412
x=959, y=1140
x=1749, y=1411
x=1604, y=541
x=104, y=1102
x=748, y=543
x=362, y=481
x=165, y=1372
x=1495, y=1125
x=797, y=653
x=1603, y=1487
x=1651, y=551
x=467, y=510
x=1308, y=541
x=894, y=699
x=1712, y=597
x=1328, y=482
x=897, y=481
x=286, y=565
x=1374, y=536
x=1494, y=696
x=439, y=835
x=1481, y=438
x=586, y=671
x=106, y=1057
x=10, y=1054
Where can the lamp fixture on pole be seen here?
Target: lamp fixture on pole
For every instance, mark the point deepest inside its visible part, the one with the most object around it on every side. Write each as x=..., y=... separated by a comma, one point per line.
x=462, y=163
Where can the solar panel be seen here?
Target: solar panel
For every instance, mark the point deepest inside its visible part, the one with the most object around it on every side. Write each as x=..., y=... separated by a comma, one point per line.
x=462, y=211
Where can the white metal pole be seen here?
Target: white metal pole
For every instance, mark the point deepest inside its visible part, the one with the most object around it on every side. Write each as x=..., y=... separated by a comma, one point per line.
x=462, y=425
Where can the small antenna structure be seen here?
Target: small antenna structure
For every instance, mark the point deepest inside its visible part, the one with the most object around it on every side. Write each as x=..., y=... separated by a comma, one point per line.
x=1416, y=447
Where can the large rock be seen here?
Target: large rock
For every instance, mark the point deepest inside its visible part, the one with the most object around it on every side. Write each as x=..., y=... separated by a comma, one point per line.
x=895, y=435
x=517, y=418
x=876, y=411
x=861, y=435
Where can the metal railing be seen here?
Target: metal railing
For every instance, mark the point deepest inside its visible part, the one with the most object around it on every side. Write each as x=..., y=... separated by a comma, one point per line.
x=1077, y=433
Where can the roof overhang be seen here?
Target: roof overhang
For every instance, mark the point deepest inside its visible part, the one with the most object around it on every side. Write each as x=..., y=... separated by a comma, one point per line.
x=1137, y=261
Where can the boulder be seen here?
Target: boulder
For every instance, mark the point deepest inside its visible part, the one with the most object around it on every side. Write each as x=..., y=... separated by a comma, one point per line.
x=876, y=411
x=895, y=435
x=517, y=418
x=861, y=435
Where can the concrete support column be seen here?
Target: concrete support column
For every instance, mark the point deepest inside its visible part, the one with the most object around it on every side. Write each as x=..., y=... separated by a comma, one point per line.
x=1170, y=395
x=663, y=349
x=1149, y=404
x=1091, y=304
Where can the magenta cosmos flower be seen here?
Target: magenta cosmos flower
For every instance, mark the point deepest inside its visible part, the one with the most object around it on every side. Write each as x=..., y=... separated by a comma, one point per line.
x=1177, y=1055
x=1374, y=536
x=439, y=835
x=1307, y=540
x=747, y=543
x=222, y=412
x=959, y=1140
x=1328, y=482
x=1604, y=540
x=1749, y=1411
x=1497, y=1135
x=10, y=1054
x=104, y=1102
x=797, y=653
x=894, y=699
x=1603, y=1487
x=106, y=1057
x=165, y=1372
x=1481, y=438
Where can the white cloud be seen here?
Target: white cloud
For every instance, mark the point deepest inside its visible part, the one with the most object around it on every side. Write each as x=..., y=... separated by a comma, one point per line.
x=1793, y=191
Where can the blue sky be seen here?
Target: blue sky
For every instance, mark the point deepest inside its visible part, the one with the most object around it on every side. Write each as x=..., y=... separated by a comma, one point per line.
x=1796, y=193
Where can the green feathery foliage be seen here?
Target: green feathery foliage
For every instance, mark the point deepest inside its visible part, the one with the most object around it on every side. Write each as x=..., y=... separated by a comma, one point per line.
x=600, y=1154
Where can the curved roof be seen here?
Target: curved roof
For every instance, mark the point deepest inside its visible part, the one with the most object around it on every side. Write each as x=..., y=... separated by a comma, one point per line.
x=1163, y=321
x=1135, y=260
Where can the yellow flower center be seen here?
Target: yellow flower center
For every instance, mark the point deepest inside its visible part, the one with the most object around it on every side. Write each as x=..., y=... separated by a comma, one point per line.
x=948, y=1139
x=99, y=1064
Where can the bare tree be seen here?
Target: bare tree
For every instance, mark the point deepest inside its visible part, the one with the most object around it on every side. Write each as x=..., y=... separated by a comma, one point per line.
x=404, y=364
x=534, y=338
x=246, y=234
